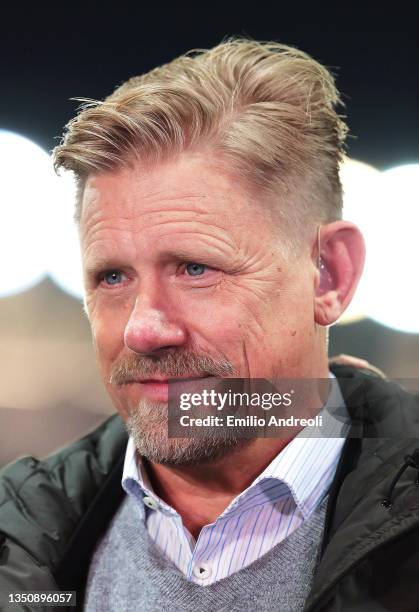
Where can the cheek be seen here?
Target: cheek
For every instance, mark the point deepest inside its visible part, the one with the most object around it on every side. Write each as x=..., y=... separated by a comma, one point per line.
x=231, y=326
x=279, y=327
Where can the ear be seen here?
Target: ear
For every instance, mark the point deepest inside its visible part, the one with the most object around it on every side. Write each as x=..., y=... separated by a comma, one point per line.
x=342, y=253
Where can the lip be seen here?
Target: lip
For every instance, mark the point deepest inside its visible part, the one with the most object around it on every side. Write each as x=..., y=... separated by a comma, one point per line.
x=157, y=388
x=174, y=378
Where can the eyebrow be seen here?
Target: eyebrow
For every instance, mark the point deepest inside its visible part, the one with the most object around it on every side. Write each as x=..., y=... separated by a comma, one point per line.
x=99, y=262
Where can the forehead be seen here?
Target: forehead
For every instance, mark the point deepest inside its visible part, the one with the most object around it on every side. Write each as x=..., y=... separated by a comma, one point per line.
x=191, y=185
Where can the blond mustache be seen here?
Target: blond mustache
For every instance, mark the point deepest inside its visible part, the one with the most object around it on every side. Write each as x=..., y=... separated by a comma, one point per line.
x=170, y=365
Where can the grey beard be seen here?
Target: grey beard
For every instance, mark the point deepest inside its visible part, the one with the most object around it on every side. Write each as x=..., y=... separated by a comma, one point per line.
x=148, y=426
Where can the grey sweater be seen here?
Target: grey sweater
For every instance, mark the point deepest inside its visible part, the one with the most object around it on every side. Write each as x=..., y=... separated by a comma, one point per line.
x=129, y=574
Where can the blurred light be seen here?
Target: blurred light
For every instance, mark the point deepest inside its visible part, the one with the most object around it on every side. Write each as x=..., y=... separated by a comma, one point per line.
x=39, y=236
x=361, y=184
x=393, y=289
x=65, y=267
x=25, y=195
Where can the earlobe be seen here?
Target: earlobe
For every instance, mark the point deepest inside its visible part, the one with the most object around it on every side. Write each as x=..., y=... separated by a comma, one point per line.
x=327, y=308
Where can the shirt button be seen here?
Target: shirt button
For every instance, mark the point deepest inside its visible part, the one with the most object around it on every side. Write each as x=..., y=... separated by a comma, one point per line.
x=150, y=502
x=202, y=570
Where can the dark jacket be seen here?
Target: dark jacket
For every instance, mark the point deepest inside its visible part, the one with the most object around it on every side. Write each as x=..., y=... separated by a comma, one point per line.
x=52, y=512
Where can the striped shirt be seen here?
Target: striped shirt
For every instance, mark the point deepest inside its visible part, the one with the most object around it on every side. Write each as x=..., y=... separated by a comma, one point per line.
x=277, y=502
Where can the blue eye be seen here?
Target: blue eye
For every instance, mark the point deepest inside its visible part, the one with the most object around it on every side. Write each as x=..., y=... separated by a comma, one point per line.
x=113, y=277
x=195, y=269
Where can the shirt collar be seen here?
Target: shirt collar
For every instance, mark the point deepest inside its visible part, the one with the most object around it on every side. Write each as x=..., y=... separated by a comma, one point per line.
x=136, y=483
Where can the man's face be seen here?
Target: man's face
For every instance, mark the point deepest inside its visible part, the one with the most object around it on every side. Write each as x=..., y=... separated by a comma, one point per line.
x=184, y=277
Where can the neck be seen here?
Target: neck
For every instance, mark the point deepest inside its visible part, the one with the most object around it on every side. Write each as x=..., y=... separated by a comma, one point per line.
x=200, y=493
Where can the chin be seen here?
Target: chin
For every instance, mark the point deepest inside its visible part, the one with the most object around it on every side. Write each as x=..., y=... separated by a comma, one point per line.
x=148, y=427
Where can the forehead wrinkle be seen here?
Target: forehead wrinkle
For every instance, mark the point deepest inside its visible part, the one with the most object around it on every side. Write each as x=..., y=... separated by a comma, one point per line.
x=103, y=238
x=206, y=225
x=102, y=232
x=209, y=240
x=138, y=213
x=161, y=197
x=143, y=207
x=111, y=225
x=218, y=205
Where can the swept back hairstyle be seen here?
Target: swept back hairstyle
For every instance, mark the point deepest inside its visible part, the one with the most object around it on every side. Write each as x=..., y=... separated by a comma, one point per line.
x=266, y=109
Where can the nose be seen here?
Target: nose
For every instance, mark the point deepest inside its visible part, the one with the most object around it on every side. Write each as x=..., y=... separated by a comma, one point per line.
x=150, y=328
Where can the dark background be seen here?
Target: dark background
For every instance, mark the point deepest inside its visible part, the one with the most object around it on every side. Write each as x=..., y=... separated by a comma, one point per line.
x=53, y=52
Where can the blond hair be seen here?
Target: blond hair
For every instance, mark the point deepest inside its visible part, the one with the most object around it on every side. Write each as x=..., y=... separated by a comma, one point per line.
x=267, y=109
